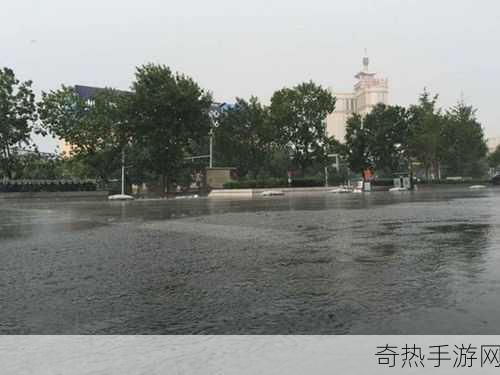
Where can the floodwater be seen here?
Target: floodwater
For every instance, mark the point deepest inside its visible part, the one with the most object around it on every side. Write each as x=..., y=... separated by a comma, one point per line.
x=425, y=262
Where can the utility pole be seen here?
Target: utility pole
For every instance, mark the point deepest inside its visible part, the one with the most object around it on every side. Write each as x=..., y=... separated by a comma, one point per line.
x=211, y=134
x=123, y=171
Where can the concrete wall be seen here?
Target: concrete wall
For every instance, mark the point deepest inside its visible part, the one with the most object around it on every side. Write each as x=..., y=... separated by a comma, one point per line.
x=217, y=177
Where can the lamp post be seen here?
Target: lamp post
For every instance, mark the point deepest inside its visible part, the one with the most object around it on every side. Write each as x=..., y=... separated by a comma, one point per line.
x=123, y=171
x=122, y=196
x=214, y=115
x=211, y=135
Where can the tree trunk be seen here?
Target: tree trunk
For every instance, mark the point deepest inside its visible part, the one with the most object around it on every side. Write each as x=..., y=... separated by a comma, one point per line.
x=8, y=167
x=163, y=184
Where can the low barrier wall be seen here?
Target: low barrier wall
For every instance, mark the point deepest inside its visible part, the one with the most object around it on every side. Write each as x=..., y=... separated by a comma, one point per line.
x=249, y=193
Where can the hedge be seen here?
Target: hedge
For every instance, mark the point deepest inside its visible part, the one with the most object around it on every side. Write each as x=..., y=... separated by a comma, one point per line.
x=35, y=186
x=468, y=181
x=273, y=183
x=382, y=182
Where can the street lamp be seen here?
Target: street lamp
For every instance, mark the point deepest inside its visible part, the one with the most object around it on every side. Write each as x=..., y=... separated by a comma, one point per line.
x=211, y=135
x=214, y=115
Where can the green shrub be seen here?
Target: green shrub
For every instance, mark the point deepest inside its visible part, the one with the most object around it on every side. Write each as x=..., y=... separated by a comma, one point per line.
x=37, y=186
x=273, y=183
x=468, y=181
x=382, y=182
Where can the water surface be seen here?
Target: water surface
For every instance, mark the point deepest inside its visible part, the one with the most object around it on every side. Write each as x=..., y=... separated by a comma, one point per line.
x=426, y=262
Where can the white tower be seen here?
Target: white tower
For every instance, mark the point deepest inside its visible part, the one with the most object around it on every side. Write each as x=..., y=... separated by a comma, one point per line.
x=368, y=92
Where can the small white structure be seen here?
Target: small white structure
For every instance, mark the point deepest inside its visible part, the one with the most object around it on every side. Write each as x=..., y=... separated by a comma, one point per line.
x=397, y=189
x=194, y=196
x=120, y=197
x=477, y=187
x=402, y=183
x=341, y=190
x=271, y=193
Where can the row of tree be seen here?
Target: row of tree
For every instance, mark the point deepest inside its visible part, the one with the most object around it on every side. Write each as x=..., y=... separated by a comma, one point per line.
x=163, y=122
x=394, y=139
x=166, y=118
x=156, y=124
x=289, y=134
x=388, y=140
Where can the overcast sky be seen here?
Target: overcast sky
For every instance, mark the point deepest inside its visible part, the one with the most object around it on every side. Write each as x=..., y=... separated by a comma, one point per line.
x=242, y=48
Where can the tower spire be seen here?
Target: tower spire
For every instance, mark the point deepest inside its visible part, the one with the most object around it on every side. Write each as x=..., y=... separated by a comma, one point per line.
x=366, y=61
x=365, y=71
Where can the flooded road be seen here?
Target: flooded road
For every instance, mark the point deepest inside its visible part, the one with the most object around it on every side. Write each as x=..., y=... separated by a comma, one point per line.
x=426, y=262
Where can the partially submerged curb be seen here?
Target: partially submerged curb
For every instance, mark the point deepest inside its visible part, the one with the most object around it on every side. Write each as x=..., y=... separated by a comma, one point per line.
x=250, y=193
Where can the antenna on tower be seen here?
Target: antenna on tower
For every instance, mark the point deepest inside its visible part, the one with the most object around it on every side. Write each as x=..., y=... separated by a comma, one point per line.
x=462, y=97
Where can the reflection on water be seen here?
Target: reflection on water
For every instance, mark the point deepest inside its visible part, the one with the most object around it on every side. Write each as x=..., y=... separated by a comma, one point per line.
x=425, y=262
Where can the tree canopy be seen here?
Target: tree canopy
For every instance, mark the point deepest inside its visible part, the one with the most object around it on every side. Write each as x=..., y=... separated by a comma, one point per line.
x=357, y=142
x=17, y=118
x=245, y=137
x=426, y=130
x=97, y=129
x=387, y=130
x=379, y=140
x=463, y=145
x=168, y=112
x=494, y=158
x=299, y=115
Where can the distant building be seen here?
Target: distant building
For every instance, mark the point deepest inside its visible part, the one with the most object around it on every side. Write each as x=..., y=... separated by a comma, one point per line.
x=65, y=148
x=493, y=143
x=368, y=92
x=87, y=92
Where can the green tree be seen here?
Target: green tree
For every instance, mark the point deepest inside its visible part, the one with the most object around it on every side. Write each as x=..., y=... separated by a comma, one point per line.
x=299, y=115
x=494, y=158
x=97, y=129
x=463, y=144
x=386, y=130
x=279, y=162
x=357, y=145
x=244, y=138
x=169, y=111
x=379, y=140
x=17, y=117
x=426, y=133
x=39, y=166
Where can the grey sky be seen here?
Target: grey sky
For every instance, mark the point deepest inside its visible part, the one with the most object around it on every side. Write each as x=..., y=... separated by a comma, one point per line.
x=242, y=48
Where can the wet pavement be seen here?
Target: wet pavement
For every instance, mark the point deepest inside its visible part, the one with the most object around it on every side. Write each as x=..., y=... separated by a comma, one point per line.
x=426, y=262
